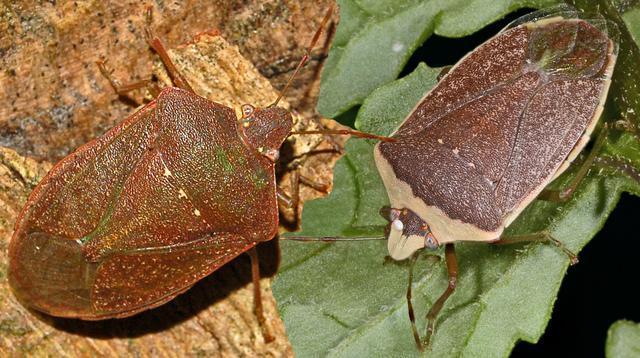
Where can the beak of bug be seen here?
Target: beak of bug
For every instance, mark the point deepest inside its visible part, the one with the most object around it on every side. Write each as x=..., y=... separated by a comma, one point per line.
x=265, y=129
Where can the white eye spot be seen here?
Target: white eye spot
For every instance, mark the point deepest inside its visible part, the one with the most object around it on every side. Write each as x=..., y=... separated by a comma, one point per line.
x=397, y=47
x=196, y=212
x=440, y=141
x=181, y=194
x=456, y=151
x=167, y=172
x=397, y=225
x=247, y=109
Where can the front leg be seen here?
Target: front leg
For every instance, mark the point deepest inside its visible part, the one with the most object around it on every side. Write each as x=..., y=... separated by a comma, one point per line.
x=292, y=199
x=452, y=271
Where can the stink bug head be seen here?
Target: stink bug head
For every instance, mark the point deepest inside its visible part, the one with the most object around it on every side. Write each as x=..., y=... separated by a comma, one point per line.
x=265, y=128
x=406, y=233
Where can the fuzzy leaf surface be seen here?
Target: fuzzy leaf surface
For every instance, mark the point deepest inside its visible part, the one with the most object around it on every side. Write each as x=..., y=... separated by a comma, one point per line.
x=623, y=340
x=344, y=299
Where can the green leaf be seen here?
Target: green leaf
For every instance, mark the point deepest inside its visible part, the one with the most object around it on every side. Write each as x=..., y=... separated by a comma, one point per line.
x=623, y=340
x=375, y=39
x=343, y=299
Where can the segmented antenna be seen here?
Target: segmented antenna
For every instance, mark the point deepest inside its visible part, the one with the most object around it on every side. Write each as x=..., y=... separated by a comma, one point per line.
x=306, y=56
x=332, y=239
x=347, y=132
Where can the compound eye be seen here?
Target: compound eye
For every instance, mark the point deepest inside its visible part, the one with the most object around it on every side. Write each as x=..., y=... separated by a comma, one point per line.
x=247, y=110
x=431, y=242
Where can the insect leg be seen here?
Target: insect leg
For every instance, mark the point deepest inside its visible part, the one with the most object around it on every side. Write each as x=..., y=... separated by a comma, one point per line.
x=292, y=200
x=620, y=164
x=314, y=184
x=123, y=89
x=283, y=198
x=452, y=270
x=307, y=97
x=295, y=194
x=156, y=43
x=257, y=295
x=412, y=316
x=542, y=236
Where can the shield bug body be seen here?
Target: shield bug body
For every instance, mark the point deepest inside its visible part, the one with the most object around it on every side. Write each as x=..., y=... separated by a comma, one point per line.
x=157, y=222
x=137, y=216
x=485, y=141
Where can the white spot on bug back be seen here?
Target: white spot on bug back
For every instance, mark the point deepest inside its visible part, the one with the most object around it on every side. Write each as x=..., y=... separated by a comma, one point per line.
x=456, y=151
x=440, y=141
x=167, y=172
x=181, y=194
x=397, y=47
x=491, y=183
x=196, y=212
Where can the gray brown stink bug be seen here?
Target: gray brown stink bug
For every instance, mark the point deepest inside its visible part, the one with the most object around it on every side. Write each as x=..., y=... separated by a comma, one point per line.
x=481, y=145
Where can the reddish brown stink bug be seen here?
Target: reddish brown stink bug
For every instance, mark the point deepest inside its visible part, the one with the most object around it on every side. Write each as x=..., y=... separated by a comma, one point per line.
x=135, y=217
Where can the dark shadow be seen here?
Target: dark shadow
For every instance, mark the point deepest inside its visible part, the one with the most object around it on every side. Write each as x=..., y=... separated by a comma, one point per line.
x=348, y=118
x=440, y=51
x=596, y=292
x=202, y=295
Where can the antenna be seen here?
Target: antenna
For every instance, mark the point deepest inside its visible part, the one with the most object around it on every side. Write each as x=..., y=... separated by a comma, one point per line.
x=330, y=239
x=306, y=56
x=347, y=132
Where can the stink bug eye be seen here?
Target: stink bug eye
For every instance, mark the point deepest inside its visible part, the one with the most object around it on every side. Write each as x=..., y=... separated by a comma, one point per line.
x=431, y=242
x=247, y=110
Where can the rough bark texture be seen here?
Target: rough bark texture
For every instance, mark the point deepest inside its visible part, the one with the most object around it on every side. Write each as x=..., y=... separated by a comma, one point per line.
x=52, y=94
x=53, y=99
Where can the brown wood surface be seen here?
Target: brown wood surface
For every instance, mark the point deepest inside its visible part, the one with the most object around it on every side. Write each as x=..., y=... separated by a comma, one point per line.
x=52, y=99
